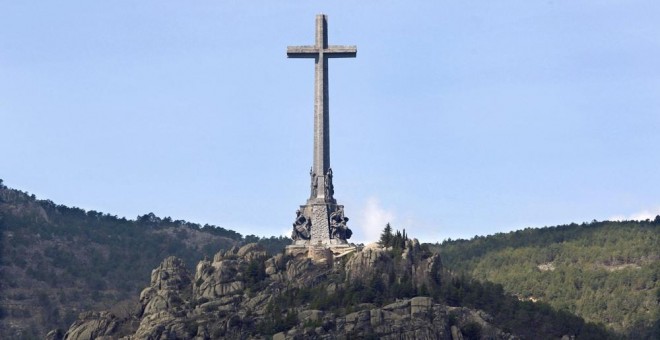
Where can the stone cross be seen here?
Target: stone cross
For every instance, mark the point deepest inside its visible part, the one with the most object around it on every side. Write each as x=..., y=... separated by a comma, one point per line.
x=321, y=51
x=321, y=222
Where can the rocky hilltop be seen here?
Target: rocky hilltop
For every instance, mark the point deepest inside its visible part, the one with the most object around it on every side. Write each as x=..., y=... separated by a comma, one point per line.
x=58, y=261
x=242, y=293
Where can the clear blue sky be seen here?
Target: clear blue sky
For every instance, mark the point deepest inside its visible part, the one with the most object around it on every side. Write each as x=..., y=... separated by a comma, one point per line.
x=456, y=118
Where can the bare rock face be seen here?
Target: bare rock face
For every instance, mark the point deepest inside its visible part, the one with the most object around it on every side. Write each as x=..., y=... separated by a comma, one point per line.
x=223, y=276
x=298, y=267
x=273, y=265
x=170, y=275
x=365, y=264
x=251, y=252
x=426, y=272
x=92, y=325
x=170, y=286
x=217, y=279
x=163, y=325
x=421, y=268
x=415, y=318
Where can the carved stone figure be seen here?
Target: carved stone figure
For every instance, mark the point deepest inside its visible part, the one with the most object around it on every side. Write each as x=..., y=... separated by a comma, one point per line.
x=301, y=227
x=329, y=188
x=313, y=185
x=338, y=228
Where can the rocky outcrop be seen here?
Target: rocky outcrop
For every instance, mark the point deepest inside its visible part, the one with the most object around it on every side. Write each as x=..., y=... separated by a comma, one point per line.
x=163, y=325
x=93, y=325
x=170, y=287
x=274, y=265
x=239, y=294
x=224, y=276
x=365, y=264
x=217, y=279
x=421, y=268
x=251, y=252
x=416, y=318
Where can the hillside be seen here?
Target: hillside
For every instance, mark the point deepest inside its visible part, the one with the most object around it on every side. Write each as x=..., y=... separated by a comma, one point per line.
x=370, y=293
x=606, y=272
x=57, y=261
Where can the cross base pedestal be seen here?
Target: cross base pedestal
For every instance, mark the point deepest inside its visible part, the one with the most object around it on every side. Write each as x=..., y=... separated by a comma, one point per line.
x=320, y=224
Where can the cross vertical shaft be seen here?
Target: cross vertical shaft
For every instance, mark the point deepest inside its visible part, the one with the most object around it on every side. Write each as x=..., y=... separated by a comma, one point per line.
x=321, y=102
x=321, y=51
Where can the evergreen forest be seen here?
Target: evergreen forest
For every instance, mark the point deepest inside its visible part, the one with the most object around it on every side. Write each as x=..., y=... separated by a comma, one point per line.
x=606, y=272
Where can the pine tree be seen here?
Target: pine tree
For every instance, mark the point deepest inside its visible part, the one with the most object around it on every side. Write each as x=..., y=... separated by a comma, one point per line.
x=386, y=236
x=397, y=240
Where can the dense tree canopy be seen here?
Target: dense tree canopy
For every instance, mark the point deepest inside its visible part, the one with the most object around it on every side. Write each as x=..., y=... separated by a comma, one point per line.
x=603, y=271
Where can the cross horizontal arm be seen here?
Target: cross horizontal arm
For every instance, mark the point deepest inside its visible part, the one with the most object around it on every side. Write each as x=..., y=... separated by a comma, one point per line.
x=337, y=51
x=302, y=51
x=341, y=51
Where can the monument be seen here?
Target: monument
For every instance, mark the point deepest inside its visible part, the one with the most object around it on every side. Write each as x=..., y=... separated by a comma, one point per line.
x=321, y=222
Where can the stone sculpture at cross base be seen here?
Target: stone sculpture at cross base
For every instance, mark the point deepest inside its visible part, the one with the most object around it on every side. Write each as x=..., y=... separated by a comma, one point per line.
x=321, y=221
